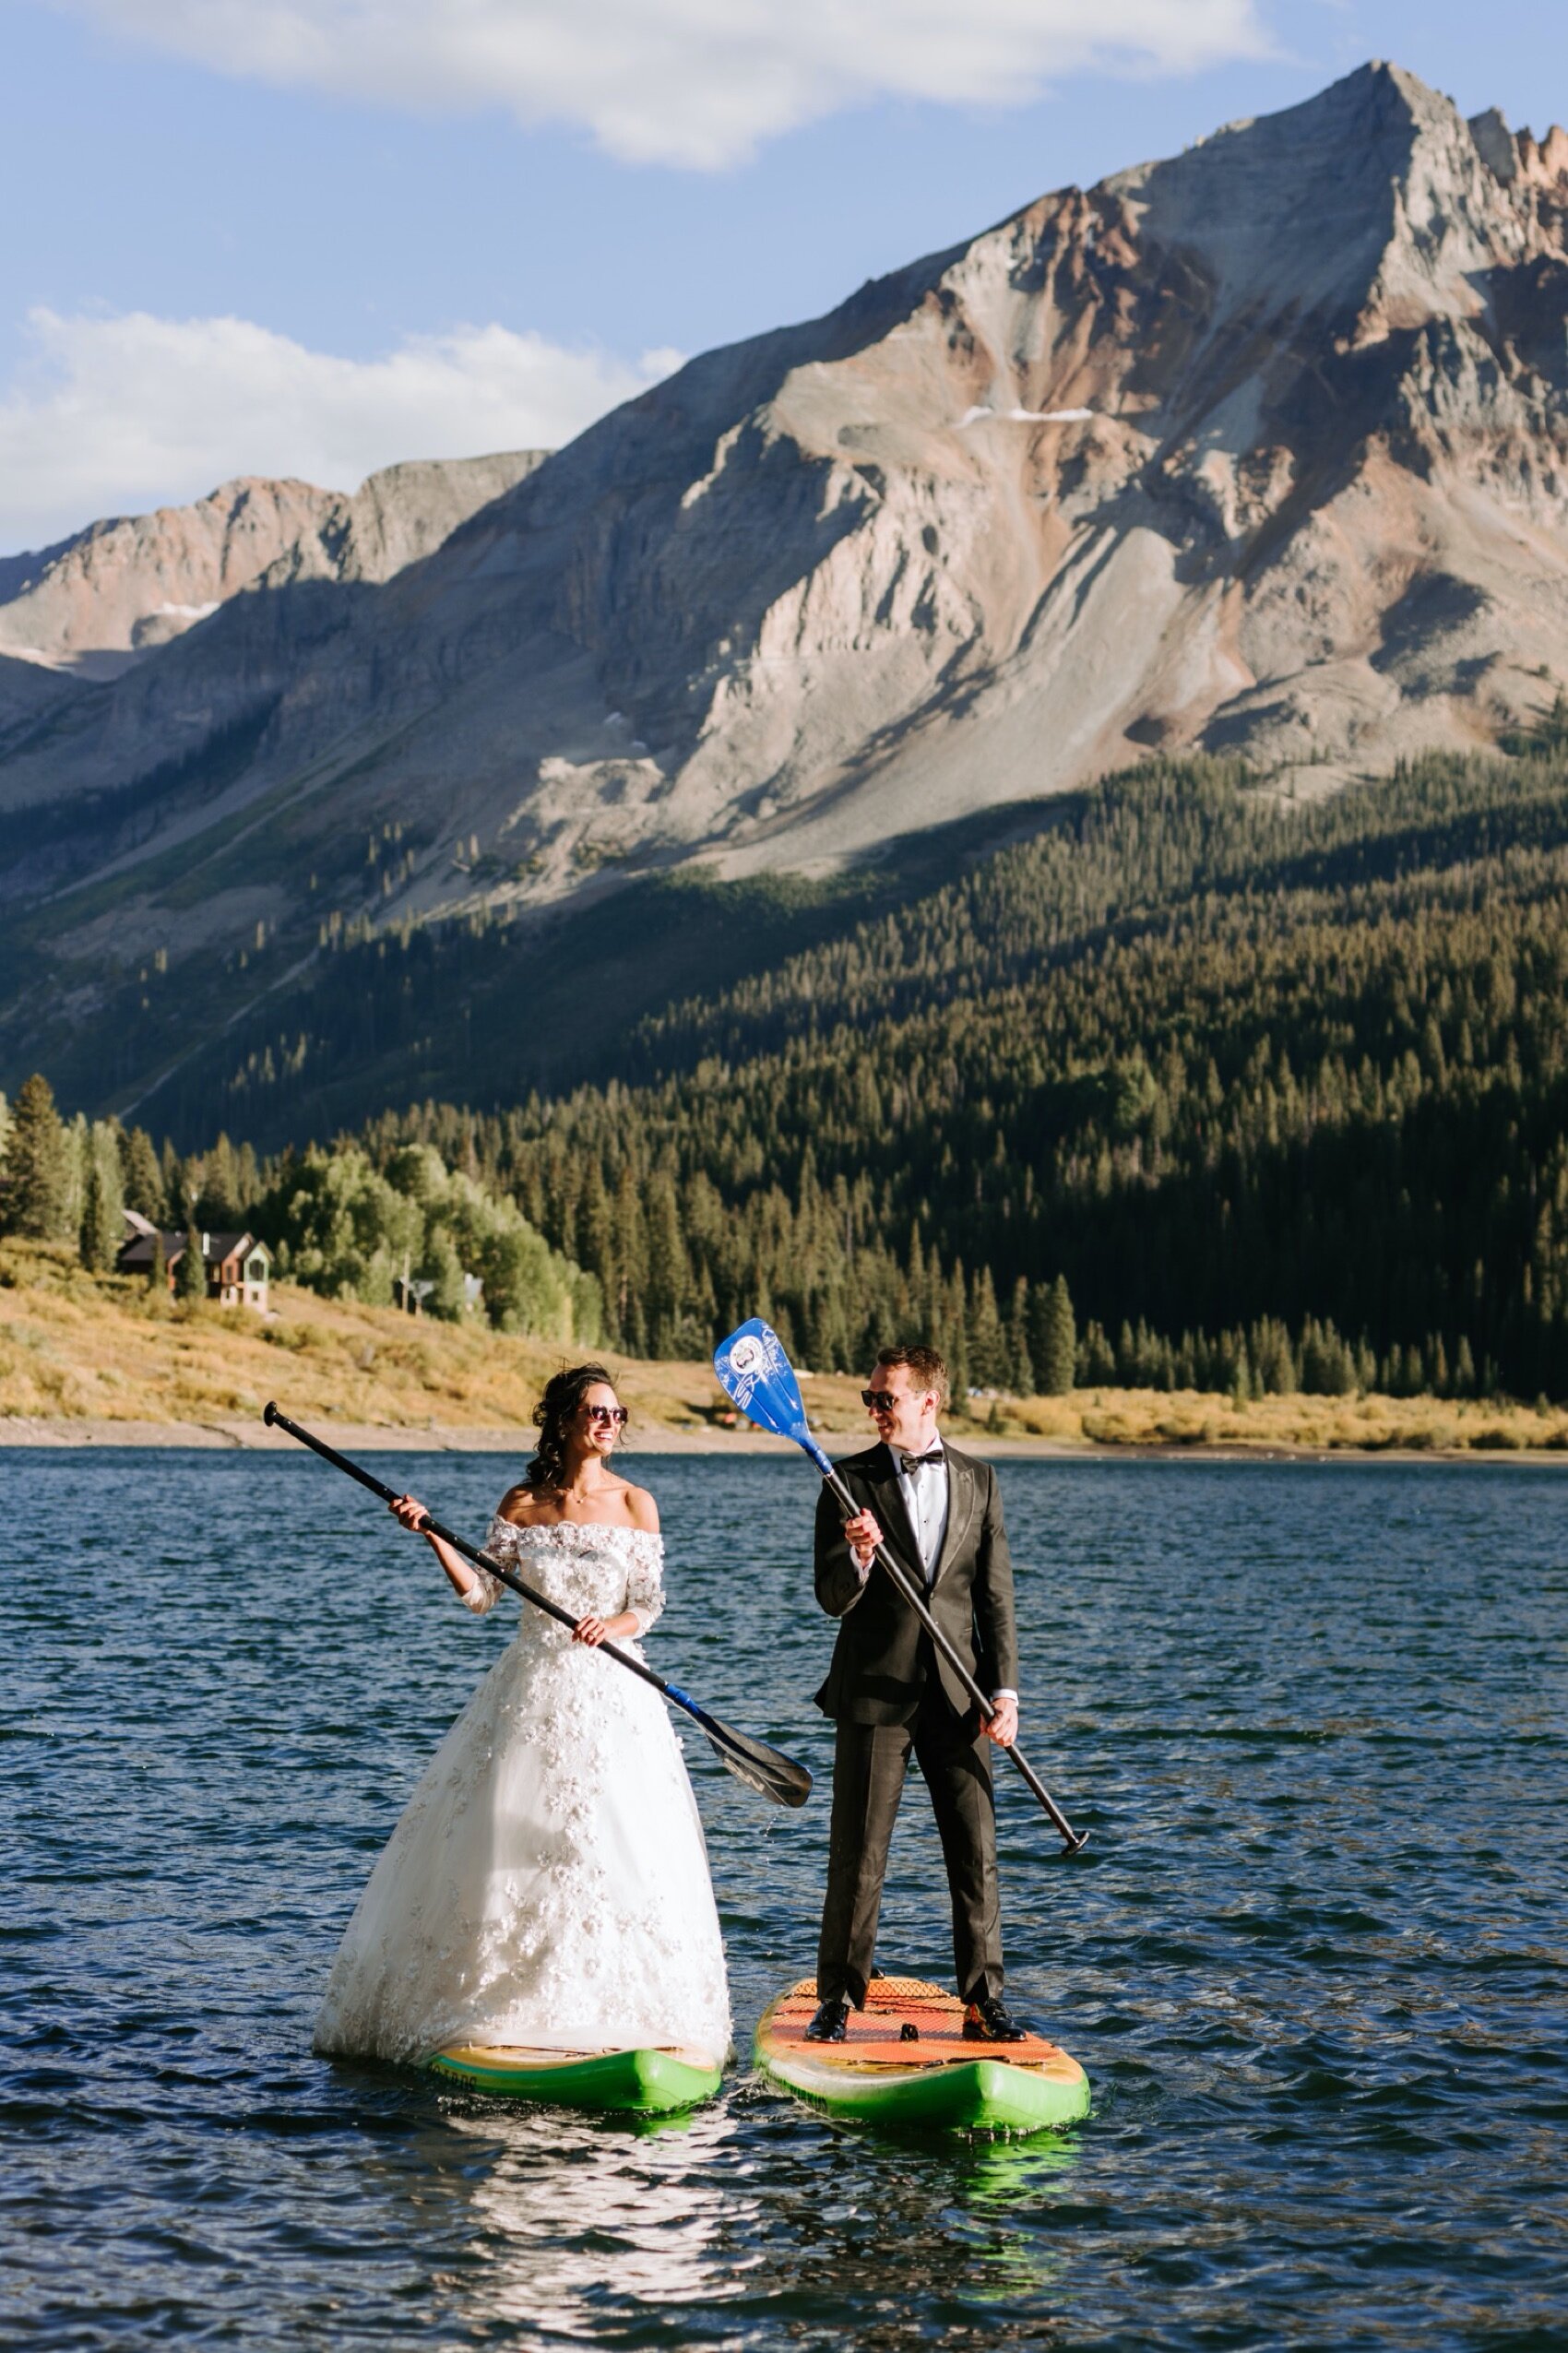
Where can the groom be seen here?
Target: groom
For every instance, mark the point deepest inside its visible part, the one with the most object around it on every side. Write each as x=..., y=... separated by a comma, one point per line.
x=889, y=1690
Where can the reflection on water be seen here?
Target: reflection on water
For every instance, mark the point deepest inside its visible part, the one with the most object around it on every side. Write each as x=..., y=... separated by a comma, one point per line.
x=650, y=2214
x=1313, y=1961
x=1003, y=2183
x=568, y=2220
x=864, y=2222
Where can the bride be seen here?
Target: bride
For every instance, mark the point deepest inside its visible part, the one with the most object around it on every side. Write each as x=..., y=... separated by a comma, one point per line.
x=548, y=1882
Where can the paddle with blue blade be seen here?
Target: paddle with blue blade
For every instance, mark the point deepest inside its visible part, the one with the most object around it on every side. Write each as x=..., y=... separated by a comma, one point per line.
x=763, y=1769
x=754, y=1370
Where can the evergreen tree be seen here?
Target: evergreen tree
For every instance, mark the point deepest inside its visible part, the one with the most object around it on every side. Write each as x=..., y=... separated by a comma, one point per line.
x=952, y=1341
x=35, y=1177
x=626, y=1304
x=228, y=1183
x=76, y=1137
x=1021, y=1363
x=101, y=1227
x=1243, y=1388
x=158, y=1269
x=988, y=1348
x=1059, y=1353
x=190, y=1269
x=1096, y=1366
x=142, y=1176
x=594, y=1240
x=667, y=1272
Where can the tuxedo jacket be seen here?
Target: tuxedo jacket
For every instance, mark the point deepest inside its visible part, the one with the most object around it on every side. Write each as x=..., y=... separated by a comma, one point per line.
x=884, y=1657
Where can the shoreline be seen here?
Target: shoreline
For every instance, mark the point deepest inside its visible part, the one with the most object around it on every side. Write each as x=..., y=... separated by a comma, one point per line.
x=92, y=1362
x=250, y=1434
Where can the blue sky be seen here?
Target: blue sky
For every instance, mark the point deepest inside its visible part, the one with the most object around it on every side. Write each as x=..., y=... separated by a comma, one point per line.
x=259, y=238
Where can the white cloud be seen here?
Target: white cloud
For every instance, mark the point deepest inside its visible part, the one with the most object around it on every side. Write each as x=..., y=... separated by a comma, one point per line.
x=695, y=82
x=114, y=414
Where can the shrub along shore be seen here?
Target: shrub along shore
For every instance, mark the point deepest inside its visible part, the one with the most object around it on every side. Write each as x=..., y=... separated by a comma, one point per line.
x=96, y=1359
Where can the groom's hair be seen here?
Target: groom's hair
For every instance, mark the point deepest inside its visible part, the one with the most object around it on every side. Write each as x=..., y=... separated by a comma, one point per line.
x=927, y=1369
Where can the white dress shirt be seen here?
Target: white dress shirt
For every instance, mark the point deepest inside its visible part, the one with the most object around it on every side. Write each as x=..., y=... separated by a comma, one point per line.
x=924, y=1491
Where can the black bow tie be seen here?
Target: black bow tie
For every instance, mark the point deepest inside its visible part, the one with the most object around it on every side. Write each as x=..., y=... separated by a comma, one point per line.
x=913, y=1462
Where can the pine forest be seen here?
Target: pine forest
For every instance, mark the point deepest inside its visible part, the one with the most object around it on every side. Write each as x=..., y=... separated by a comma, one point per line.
x=1198, y=1086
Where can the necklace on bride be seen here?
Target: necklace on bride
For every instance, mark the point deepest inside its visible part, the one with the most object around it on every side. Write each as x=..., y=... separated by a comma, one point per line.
x=572, y=1495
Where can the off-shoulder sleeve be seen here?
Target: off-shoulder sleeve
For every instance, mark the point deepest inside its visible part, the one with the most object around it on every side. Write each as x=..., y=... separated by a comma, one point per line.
x=487, y=1592
x=645, y=1579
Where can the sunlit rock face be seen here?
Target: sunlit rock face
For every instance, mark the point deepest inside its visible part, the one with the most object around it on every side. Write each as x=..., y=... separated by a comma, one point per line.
x=92, y=605
x=1260, y=449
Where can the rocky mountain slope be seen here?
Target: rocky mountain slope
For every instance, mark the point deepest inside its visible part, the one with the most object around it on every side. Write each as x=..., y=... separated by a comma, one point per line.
x=93, y=605
x=1262, y=449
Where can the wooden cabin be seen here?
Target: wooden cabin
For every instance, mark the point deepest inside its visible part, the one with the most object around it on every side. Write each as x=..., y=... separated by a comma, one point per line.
x=238, y=1267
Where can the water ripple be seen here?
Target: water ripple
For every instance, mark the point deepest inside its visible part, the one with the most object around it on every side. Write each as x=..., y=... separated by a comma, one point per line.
x=1314, y=1718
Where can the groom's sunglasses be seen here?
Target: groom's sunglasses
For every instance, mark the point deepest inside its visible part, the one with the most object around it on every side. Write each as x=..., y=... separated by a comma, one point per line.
x=616, y=1414
x=879, y=1400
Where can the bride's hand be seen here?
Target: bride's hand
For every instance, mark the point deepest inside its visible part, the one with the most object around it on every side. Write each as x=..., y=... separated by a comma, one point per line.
x=590, y=1630
x=409, y=1513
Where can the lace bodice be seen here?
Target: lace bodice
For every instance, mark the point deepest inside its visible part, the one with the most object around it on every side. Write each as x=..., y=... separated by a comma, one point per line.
x=604, y=1570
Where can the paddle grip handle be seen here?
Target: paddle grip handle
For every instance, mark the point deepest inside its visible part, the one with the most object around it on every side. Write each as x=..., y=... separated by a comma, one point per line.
x=276, y=1419
x=1072, y=1841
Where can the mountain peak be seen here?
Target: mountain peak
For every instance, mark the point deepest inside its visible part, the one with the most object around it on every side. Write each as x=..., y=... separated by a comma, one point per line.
x=1260, y=449
x=1371, y=203
x=94, y=605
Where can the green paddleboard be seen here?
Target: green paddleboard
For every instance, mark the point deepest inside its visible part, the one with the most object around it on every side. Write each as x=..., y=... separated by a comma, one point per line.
x=640, y=2082
x=883, y=2074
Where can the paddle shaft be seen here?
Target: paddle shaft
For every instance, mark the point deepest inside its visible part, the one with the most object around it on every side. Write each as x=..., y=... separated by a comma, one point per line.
x=480, y=1560
x=1071, y=1839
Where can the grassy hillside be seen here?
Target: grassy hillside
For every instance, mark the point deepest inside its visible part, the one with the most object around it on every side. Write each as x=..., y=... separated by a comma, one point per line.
x=94, y=1352
x=77, y=1346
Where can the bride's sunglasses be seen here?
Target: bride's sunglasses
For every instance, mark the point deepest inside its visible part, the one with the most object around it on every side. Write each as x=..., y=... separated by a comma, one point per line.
x=614, y=1415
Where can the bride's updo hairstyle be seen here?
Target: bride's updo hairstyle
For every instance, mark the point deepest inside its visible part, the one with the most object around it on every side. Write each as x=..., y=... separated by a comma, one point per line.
x=553, y=1416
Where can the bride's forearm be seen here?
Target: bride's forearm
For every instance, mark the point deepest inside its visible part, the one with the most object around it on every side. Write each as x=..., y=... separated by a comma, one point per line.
x=463, y=1578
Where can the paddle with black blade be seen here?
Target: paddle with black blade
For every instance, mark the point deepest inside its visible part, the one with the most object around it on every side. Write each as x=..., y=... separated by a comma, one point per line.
x=753, y=1761
x=755, y=1370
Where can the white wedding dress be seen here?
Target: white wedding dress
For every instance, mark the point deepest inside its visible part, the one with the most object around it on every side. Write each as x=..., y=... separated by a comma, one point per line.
x=548, y=1882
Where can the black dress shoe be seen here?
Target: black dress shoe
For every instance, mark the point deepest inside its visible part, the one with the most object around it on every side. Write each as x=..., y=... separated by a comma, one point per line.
x=985, y=2020
x=830, y=2022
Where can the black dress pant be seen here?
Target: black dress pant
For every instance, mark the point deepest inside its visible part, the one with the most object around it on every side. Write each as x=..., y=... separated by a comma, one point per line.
x=869, y=1765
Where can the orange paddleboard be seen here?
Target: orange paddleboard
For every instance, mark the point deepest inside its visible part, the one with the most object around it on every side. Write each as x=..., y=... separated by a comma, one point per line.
x=904, y=2061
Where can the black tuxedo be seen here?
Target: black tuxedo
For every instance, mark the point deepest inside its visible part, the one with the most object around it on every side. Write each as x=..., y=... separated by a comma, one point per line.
x=889, y=1690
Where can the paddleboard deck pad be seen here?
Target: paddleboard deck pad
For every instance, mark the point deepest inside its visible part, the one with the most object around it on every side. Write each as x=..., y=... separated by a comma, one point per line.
x=641, y=2082
x=880, y=2073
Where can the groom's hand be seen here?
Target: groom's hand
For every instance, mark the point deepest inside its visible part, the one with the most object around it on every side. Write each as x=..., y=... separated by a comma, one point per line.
x=863, y=1535
x=1002, y=1726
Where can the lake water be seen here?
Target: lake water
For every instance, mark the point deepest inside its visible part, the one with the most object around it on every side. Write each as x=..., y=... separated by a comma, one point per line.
x=1314, y=1960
